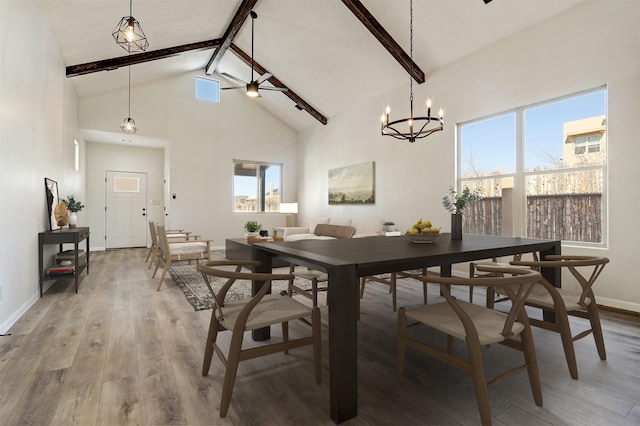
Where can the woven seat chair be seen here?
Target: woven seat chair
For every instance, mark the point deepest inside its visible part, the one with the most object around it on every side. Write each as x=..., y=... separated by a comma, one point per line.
x=391, y=280
x=477, y=326
x=176, y=235
x=494, y=262
x=314, y=276
x=178, y=251
x=566, y=302
x=261, y=310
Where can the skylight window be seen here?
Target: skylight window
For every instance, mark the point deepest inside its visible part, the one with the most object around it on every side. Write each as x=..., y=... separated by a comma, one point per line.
x=208, y=89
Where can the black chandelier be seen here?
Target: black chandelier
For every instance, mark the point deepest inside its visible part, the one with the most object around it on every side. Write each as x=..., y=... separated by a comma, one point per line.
x=129, y=35
x=411, y=128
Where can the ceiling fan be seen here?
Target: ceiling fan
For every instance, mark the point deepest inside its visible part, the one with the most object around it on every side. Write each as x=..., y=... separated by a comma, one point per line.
x=254, y=85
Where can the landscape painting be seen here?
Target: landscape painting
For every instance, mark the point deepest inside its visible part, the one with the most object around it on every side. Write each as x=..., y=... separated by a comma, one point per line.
x=352, y=184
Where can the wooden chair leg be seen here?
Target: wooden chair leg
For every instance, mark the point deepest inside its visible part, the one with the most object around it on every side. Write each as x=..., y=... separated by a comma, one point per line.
x=402, y=327
x=285, y=335
x=153, y=254
x=158, y=262
x=392, y=290
x=230, y=373
x=362, y=283
x=491, y=297
x=425, y=285
x=567, y=342
x=529, y=351
x=317, y=343
x=480, y=383
x=314, y=291
x=449, y=344
x=164, y=273
x=594, y=319
x=214, y=327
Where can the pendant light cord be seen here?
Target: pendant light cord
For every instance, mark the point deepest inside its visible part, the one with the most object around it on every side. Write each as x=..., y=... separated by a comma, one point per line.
x=252, y=21
x=129, y=67
x=411, y=55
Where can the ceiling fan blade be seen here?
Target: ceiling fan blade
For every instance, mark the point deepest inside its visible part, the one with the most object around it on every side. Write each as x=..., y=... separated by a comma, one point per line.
x=233, y=78
x=233, y=87
x=266, y=76
x=277, y=89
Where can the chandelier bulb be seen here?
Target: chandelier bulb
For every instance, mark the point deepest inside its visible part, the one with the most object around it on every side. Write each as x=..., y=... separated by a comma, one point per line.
x=441, y=113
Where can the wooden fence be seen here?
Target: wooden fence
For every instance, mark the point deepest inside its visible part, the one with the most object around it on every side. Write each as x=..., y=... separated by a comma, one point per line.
x=569, y=217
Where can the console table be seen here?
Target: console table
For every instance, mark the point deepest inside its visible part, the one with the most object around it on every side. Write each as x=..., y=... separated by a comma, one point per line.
x=63, y=236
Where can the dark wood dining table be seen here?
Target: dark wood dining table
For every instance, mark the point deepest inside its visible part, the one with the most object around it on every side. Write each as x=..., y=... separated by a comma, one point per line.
x=345, y=260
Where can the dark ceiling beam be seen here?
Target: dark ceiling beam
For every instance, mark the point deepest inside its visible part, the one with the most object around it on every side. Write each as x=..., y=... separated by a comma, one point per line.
x=236, y=23
x=385, y=39
x=123, y=61
x=300, y=103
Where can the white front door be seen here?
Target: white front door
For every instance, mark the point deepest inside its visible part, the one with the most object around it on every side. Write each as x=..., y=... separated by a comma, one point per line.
x=126, y=210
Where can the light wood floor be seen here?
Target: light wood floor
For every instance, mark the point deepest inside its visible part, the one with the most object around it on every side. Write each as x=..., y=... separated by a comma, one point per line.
x=119, y=352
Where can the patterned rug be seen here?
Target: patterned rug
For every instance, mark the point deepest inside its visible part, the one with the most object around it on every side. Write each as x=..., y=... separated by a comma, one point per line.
x=190, y=281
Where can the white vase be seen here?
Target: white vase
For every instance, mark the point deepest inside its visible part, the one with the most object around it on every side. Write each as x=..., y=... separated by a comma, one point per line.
x=73, y=219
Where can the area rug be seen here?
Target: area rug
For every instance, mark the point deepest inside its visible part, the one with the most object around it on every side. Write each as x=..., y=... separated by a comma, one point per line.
x=190, y=281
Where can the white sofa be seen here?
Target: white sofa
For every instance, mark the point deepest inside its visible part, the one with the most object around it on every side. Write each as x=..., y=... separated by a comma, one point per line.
x=364, y=227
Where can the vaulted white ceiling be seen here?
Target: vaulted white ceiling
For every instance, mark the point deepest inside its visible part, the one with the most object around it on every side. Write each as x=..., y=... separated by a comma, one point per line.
x=317, y=48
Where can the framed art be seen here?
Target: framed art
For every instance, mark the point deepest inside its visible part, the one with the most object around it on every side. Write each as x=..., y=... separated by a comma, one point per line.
x=353, y=184
x=51, y=191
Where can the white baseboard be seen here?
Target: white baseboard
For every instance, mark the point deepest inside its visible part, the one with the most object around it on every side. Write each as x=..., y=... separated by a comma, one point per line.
x=619, y=304
x=4, y=327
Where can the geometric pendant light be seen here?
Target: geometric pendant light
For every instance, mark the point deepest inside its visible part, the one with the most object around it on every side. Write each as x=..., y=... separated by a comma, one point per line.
x=128, y=124
x=129, y=35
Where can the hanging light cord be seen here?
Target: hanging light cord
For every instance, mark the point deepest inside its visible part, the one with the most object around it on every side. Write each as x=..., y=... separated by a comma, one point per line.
x=130, y=7
x=129, y=67
x=252, y=21
x=411, y=56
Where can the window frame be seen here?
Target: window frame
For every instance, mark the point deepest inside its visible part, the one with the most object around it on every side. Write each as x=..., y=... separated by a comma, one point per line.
x=521, y=174
x=259, y=195
x=213, y=80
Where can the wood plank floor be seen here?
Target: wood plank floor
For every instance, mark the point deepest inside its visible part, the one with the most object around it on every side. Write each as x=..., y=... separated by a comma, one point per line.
x=119, y=352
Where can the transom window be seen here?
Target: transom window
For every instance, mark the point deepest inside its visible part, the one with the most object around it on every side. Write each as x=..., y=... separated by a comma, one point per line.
x=257, y=186
x=208, y=89
x=541, y=168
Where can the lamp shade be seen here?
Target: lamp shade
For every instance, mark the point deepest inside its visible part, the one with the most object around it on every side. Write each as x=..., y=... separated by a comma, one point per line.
x=288, y=207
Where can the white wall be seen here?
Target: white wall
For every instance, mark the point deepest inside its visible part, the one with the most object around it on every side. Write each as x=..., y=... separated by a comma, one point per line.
x=203, y=139
x=103, y=157
x=593, y=44
x=38, y=123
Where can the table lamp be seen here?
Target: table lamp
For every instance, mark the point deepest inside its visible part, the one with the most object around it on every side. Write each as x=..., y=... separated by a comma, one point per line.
x=288, y=208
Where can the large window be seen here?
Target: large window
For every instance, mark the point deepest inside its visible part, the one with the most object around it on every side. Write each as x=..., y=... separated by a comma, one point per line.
x=257, y=186
x=542, y=170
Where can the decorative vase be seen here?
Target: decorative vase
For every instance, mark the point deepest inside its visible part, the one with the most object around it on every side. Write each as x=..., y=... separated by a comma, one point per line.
x=73, y=219
x=456, y=226
x=389, y=228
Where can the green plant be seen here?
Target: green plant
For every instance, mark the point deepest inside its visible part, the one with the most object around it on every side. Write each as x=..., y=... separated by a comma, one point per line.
x=252, y=226
x=72, y=204
x=456, y=203
x=388, y=223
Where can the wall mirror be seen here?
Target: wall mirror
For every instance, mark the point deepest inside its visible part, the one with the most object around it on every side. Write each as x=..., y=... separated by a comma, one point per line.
x=51, y=190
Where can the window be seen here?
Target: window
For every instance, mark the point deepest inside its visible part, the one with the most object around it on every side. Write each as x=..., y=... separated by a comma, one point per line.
x=208, y=89
x=586, y=144
x=542, y=170
x=256, y=186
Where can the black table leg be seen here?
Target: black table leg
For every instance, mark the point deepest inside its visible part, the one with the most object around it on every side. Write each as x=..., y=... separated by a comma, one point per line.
x=342, y=299
x=265, y=266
